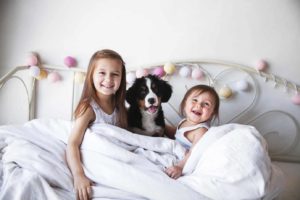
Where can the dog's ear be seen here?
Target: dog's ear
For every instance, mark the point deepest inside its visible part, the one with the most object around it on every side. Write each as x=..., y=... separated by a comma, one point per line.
x=130, y=95
x=165, y=90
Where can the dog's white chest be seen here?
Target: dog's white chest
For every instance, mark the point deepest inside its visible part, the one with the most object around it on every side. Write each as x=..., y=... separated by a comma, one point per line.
x=149, y=124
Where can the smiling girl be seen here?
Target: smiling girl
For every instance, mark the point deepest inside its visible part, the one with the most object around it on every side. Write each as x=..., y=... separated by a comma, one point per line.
x=199, y=106
x=102, y=101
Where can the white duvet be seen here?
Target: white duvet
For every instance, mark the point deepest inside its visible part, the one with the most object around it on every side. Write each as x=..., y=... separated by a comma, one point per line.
x=230, y=162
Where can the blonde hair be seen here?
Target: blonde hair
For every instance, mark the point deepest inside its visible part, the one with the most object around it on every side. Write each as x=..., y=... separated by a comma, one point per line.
x=89, y=91
x=201, y=89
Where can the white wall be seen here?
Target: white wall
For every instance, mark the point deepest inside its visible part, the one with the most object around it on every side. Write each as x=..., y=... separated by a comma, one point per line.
x=147, y=32
x=157, y=31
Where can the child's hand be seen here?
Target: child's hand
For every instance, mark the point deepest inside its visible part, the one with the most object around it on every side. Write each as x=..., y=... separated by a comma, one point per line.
x=174, y=172
x=83, y=187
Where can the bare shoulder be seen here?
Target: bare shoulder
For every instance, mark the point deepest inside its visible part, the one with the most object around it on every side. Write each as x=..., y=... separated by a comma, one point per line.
x=82, y=122
x=89, y=114
x=197, y=133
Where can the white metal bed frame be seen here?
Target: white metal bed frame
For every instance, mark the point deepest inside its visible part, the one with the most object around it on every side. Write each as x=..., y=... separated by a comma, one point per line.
x=288, y=86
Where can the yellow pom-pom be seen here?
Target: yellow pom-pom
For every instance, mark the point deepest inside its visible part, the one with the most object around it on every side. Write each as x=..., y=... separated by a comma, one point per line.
x=79, y=77
x=43, y=74
x=169, y=68
x=225, y=92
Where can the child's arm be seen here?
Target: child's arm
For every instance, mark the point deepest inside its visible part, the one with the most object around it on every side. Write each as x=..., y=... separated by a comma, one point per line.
x=81, y=182
x=176, y=170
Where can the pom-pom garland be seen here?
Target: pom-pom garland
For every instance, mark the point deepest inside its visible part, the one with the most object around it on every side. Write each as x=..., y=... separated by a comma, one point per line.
x=34, y=71
x=43, y=74
x=296, y=99
x=54, y=77
x=141, y=72
x=225, y=92
x=186, y=71
x=70, y=61
x=32, y=59
x=197, y=74
x=159, y=71
x=130, y=77
x=169, y=68
x=242, y=85
x=261, y=65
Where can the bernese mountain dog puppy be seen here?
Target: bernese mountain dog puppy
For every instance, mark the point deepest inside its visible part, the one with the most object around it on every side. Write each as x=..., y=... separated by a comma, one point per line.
x=145, y=114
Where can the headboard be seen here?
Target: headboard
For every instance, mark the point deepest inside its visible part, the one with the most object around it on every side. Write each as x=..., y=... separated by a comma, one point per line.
x=252, y=100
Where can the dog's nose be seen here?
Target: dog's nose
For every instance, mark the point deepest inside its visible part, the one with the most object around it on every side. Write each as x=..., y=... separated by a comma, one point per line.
x=151, y=100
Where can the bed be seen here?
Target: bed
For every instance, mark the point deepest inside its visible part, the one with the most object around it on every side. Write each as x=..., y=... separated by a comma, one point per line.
x=253, y=151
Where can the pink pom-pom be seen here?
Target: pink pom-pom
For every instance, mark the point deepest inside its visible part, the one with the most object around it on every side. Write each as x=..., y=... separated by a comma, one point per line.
x=197, y=74
x=141, y=72
x=261, y=65
x=296, y=99
x=32, y=60
x=54, y=77
x=159, y=71
x=70, y=61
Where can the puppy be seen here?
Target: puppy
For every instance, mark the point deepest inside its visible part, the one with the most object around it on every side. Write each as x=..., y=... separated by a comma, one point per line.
x=145, y=114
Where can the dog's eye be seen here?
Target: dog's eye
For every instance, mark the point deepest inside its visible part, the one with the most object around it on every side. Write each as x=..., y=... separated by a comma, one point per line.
x=142, y=92
x=154, y=88
x=143, y=89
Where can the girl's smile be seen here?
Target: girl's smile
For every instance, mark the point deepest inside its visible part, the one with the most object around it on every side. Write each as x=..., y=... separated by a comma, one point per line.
x=196, y=112
x=107, y=76
x=199, y=107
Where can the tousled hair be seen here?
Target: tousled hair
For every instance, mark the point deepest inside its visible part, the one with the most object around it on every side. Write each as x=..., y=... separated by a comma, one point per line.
x=201, y=89
x=89, y=91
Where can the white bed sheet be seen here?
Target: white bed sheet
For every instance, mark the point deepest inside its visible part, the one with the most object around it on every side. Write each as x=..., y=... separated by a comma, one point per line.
x=131, y=165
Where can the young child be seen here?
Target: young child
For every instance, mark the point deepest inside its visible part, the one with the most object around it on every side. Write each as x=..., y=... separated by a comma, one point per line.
x=102, y=101
x=200, y=105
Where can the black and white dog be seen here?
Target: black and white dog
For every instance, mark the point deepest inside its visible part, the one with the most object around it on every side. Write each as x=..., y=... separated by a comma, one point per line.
x=145, y=114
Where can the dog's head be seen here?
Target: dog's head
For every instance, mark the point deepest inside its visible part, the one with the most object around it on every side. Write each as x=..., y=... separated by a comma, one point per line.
x=148, y=92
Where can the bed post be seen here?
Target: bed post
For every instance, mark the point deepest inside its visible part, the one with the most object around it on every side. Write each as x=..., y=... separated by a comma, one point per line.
x=32, y=98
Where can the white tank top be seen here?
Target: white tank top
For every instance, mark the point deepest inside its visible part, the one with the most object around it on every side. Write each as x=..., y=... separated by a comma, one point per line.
x=102, y=117
x=180, y=137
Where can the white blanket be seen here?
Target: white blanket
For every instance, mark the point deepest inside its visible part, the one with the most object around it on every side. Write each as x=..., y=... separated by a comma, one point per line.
x=123, y=165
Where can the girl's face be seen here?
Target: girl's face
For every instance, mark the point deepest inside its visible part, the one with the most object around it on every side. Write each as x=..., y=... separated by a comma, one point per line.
x=107, y=76
x=199, y=107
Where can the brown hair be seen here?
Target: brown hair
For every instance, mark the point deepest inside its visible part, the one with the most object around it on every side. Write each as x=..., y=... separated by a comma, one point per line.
x=89, y=90
x=201, y=89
